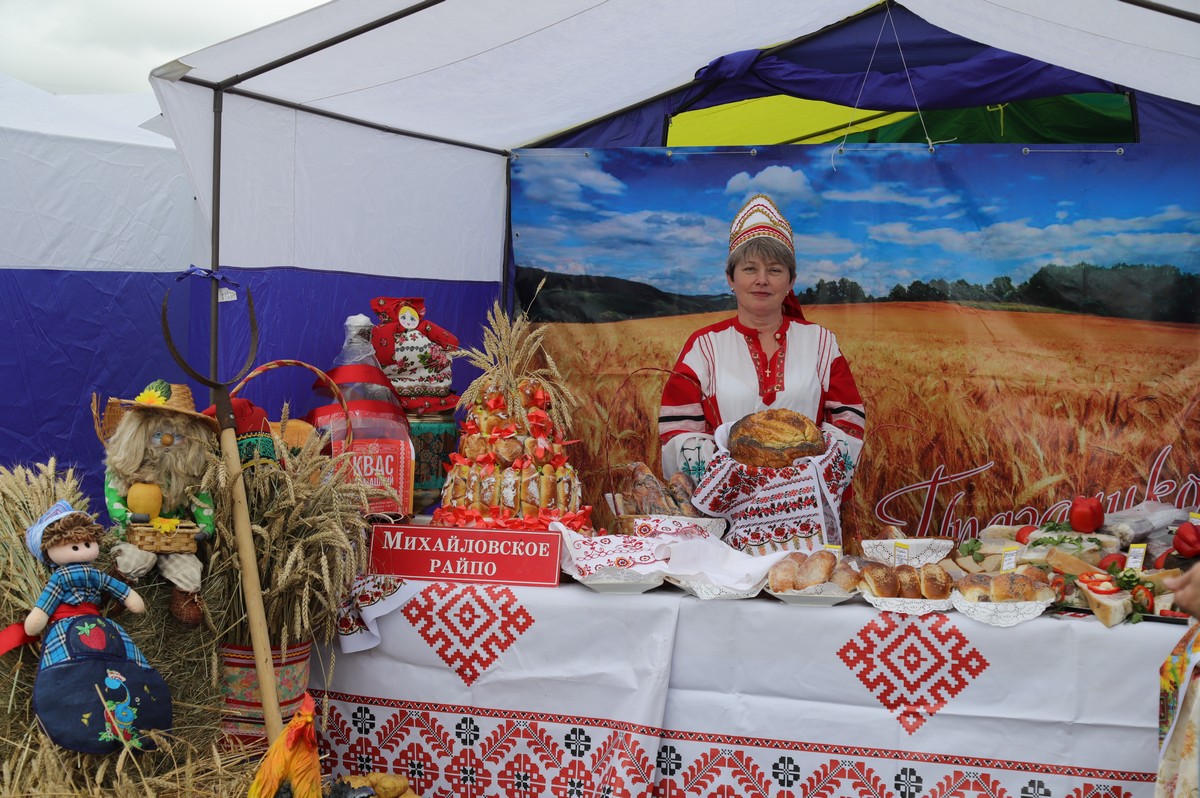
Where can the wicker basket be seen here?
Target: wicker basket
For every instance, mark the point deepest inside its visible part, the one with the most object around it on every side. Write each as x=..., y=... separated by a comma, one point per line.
x=182, y=540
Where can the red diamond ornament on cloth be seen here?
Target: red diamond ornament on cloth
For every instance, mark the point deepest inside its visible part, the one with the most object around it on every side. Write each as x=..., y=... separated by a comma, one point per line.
x=912, y=664
x=469, y=626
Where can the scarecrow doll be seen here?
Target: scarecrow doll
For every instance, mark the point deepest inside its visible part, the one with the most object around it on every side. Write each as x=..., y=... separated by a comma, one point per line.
x=155, y=459
x=89, y=667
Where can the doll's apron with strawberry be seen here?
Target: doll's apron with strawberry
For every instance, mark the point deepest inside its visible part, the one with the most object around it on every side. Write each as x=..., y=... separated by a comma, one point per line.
x=95, y=692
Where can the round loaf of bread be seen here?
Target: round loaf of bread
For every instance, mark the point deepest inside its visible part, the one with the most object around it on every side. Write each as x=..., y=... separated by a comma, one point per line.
x=935, y=582
x=1013, y=587
x=774, y=438
x=879, y=580
x=909, y=584
x=975, y=587
x=816, y=570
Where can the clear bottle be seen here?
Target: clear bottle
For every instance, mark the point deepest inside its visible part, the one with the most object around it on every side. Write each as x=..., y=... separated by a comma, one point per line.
x=380, y=440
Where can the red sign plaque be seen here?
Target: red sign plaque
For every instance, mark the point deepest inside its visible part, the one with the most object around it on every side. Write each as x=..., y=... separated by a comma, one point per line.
x=453, y=554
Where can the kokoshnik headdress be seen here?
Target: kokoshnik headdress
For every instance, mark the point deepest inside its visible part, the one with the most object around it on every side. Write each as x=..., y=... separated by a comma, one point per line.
x=760, y=217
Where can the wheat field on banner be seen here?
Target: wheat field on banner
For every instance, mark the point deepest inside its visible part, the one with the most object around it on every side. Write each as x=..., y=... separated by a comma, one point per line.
x=1053, y=404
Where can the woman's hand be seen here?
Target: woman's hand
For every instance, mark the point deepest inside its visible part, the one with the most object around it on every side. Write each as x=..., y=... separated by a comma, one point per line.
x=1186, y=587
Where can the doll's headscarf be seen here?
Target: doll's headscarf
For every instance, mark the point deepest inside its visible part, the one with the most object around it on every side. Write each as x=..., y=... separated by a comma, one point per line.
x=34, y=534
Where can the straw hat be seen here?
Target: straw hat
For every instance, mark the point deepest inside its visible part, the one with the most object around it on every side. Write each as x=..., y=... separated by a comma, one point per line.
x=760, y=217
x=159, y=396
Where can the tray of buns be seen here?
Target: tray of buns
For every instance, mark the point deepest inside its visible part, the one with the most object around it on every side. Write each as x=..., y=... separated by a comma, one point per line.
x=826, y=594
x=908, y=606
x=999, y=613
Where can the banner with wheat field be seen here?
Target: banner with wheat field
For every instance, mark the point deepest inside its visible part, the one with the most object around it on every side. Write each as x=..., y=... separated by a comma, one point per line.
x=1023, y=323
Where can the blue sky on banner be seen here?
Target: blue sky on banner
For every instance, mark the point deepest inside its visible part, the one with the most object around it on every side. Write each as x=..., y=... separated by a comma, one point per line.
x=881, y=218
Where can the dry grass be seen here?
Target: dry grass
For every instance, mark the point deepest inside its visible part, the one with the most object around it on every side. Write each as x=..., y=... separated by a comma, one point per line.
x=190, y=762
x=1058, y=404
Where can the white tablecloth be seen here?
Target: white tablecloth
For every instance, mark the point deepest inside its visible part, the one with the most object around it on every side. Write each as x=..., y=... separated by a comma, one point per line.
x=496, y=691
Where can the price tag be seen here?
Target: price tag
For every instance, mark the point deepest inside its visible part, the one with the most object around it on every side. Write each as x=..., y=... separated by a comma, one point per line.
x=1137, y=556
x=900, y=554
x=1009, y=558
x=834, y=549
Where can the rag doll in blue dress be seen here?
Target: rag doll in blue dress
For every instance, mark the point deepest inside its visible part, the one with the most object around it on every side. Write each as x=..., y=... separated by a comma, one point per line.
x=94, y=691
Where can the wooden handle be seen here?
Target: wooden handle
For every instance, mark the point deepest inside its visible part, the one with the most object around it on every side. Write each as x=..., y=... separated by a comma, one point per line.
x=256, y=616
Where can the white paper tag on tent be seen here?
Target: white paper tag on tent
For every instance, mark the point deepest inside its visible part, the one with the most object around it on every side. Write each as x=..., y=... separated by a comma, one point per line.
x=226, y=294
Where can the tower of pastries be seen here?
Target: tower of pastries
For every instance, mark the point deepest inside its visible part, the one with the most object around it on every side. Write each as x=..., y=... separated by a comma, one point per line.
x=511, y=469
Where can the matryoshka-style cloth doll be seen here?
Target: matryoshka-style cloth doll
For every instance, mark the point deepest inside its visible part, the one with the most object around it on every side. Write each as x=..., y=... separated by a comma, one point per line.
x=94, y=692
x=415, y=354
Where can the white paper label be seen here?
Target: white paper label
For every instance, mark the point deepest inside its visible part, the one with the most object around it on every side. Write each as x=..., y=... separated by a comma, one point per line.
x=834, y=549
x=1009, y=558
x=900, y=554
x=226, y=294
x=1137, y=556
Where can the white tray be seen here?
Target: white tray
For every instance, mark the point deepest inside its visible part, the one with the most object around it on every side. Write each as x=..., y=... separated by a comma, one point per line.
x=908, y=606
x=999, y=613
x=708, y=590
x=620, y=580
x=826, y=595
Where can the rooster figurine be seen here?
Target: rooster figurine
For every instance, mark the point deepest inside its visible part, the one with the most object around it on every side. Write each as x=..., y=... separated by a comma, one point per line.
x=292, y=758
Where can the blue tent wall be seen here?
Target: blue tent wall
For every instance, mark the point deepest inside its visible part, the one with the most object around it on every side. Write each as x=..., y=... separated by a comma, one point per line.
x=76, y=332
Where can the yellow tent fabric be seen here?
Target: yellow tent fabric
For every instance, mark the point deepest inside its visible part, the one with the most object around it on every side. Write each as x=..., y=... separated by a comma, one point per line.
x=774, y=120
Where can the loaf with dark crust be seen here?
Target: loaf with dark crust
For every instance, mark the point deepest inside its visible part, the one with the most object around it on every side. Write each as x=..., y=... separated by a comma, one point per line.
x=774, y=438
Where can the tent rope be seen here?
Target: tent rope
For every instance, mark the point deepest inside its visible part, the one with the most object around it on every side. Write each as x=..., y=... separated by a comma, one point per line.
x=887, y=20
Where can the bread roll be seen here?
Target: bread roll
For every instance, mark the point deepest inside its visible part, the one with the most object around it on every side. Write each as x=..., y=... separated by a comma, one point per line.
x=935, y=582
x=547, y=488
x=879, y=580
x=651, y=495
x=507, y=450
x=1032, y=572
x=845, y=577
x=909, y=584
x=975, y=587
x=681, y=486
x=1012, y=587
x=473, y=446
x=510, y=490
x=774, y=438
x=816, y=569
x=530, y=491
x=782, y=576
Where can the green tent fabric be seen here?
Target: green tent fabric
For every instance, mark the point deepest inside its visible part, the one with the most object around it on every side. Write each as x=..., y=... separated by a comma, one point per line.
x=1078, y=118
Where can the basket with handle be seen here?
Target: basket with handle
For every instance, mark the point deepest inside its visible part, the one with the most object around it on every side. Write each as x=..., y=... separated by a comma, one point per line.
x=322, y=377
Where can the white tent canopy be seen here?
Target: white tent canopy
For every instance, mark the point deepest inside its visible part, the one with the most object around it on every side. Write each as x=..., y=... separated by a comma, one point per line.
x=81, y=190
x=371, y=136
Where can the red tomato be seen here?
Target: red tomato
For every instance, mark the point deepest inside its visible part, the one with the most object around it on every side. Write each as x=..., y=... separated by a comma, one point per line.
x=1025, y=533
x=1086, y=514
x=1107, y=561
